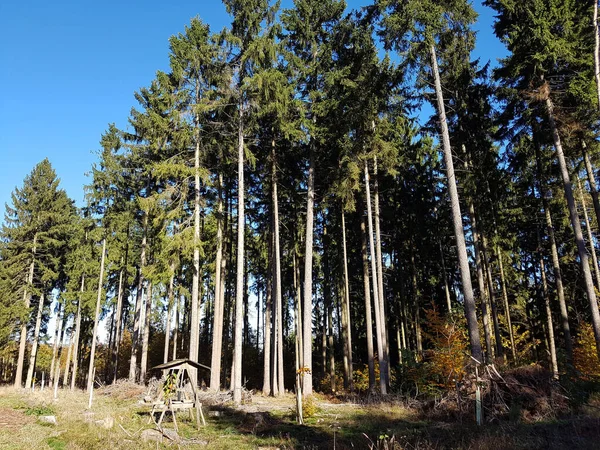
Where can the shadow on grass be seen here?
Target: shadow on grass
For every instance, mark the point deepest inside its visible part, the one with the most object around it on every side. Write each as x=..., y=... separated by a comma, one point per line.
x=362, y=427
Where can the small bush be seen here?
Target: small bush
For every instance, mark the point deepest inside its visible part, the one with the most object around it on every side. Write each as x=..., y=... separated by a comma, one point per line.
x=41, y=410
x=309, y=407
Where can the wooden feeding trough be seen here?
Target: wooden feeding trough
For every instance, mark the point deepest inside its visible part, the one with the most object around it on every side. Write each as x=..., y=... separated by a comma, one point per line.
x=173, y=395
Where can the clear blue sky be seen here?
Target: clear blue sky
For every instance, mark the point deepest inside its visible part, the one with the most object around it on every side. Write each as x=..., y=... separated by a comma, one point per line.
x=71, y=67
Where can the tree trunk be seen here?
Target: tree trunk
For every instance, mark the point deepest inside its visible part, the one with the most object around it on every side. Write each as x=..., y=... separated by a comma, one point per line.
x=481, y=282
x=564, y=315
x=592, y=182
x=171, y=300
x=588, y=229
x=138, y=303
x=27, y=301
x=35, y=343
x=56, y=344
x=380, y=288
x=96, y=320
x=77, y=334
x=217, y=341
x=383, y=370
x=267, y=332
x=348, y=364
x=368, y=313
x=308, y=262
x=490, y=282
x=277, y=280
x=239, y=294
x=549, y=324
x=583, y=257
x=146, y=333
x=463, y=261
x=445, y=276
x=68, y=362
x=119, y=315
x=596, y=51
x=195, y=303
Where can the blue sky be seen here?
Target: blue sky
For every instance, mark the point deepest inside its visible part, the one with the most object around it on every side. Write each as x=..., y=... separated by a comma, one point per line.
x=71, y=67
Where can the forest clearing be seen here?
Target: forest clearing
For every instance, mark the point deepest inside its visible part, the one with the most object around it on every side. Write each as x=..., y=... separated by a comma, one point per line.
x=329, y=225
x=118, y=419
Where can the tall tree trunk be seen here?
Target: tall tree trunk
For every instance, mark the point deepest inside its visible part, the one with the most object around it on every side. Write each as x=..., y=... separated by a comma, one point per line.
x=487, y=331
x=490, y=282
x=588, y=229
x=583, y=257
x=239, y=294
x=368, y=313
x=96, y=319
x=298, y=290
x=463, y=260
x=267, y=331
x=383, y=370
x=564, y=315
x=135, y=344
x=118, y=325
x=348, y=364
x=596, y=51
x=217, y=341
x=146, y=333
x=27, y=301
x=35, y=343
x=176, y=325
x=277, y=280
x=505, y=302
x=308, y=263
x=380, y=285
x=195, y=303
x=77, y=333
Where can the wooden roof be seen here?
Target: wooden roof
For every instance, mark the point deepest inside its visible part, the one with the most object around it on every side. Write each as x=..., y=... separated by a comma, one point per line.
x=180, y=362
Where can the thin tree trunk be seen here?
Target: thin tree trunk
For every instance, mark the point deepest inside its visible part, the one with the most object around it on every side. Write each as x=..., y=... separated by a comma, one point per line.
x=383, y=370
x=56, y=344
x=96, y=319
x=463, y=261
x=217, y=341
x=490, y=282
x=146, y=333
x=138, y=303
x=119, y=331
x=481, y=282
x=267, y=333
x=35, y=343
x=445, y=276
x=239, y=294
x=380, y=285
x=77, y=334
x=368, y=313
x=171, y=297
x=308, y=263
x=549, y=324
x=195, y=303
x=348, y=364
x=564, y=315
x=298, y=290
x=596, y=52
x=68, y=362
x=588, y=229
x=505, y=302
x=583, y=257
x=27, y=301
x=277, y=280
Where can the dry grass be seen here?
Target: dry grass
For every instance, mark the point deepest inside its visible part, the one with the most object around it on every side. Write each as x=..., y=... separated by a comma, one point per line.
x=269, y=423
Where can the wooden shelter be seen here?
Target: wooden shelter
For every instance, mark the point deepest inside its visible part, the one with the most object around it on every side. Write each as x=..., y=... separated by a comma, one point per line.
x=174, y=395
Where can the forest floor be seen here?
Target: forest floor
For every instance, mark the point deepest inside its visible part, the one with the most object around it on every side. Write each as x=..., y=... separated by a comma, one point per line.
x=117, y=420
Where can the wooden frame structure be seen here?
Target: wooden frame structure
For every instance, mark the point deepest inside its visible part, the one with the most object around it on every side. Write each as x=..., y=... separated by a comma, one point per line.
x=173, y=396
